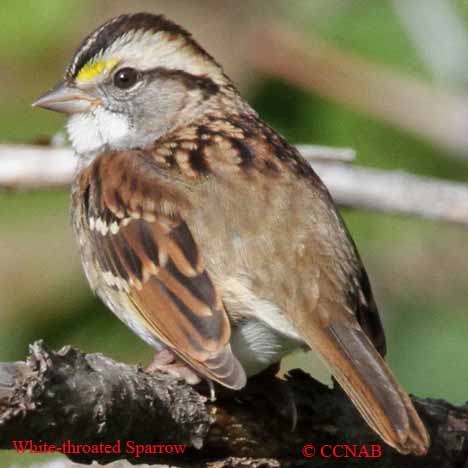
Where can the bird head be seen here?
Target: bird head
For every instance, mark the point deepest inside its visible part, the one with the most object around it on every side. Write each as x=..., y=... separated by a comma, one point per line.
x=134, y=79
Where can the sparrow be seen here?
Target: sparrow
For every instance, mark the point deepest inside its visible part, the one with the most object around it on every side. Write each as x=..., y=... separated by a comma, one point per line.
x=205, y=232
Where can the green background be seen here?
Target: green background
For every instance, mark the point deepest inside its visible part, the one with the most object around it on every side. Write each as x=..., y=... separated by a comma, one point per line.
x=418, y=269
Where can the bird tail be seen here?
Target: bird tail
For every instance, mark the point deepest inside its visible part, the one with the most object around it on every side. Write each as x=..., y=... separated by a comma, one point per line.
x=372, y=387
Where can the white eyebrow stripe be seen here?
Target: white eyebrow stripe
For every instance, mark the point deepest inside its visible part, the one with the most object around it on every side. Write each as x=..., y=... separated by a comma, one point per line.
x=146, y=50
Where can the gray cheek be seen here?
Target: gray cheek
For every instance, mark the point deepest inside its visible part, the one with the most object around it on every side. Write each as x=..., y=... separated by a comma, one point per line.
x=157, y=107
x=118, y=103
x=118, y=106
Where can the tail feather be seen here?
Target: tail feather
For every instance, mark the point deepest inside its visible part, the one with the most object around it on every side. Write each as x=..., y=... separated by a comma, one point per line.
x=225, y=369
x=371, y=385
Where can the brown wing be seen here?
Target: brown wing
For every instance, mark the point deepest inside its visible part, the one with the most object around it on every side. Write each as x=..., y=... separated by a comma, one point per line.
x=147, y=252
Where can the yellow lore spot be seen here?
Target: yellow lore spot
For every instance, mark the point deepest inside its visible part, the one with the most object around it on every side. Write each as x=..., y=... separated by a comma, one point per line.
x=93, y=69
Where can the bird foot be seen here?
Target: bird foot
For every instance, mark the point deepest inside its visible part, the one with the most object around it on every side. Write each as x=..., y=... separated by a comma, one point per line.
x=166, y=361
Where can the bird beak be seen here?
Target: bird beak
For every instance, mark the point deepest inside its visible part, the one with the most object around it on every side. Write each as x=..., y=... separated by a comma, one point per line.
x=68, y=99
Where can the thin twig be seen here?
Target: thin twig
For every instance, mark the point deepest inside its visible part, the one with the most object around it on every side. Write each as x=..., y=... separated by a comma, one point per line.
x=25, y=167
x=396, y=192
x=327, y=153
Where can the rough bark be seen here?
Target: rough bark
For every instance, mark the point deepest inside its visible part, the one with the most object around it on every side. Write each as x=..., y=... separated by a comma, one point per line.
x=88, y=398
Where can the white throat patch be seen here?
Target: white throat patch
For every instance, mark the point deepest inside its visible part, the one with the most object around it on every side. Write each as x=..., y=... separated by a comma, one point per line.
x=93, y=131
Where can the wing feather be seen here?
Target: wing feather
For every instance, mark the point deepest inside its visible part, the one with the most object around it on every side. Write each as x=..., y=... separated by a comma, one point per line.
x=147, y=252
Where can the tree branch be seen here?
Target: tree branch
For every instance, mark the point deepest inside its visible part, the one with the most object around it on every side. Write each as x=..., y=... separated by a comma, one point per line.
x=88, y=398
x=26, y=167
x=396, y=192
x=31, y=167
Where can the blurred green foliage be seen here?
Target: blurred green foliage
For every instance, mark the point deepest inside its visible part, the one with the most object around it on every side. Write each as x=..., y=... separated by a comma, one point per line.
x=416, y=267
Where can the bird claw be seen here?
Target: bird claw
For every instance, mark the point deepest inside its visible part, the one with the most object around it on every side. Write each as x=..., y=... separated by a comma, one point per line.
x=166, y=362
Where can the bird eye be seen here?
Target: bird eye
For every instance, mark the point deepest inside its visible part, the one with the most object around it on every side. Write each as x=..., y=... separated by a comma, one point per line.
x=125, y=78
